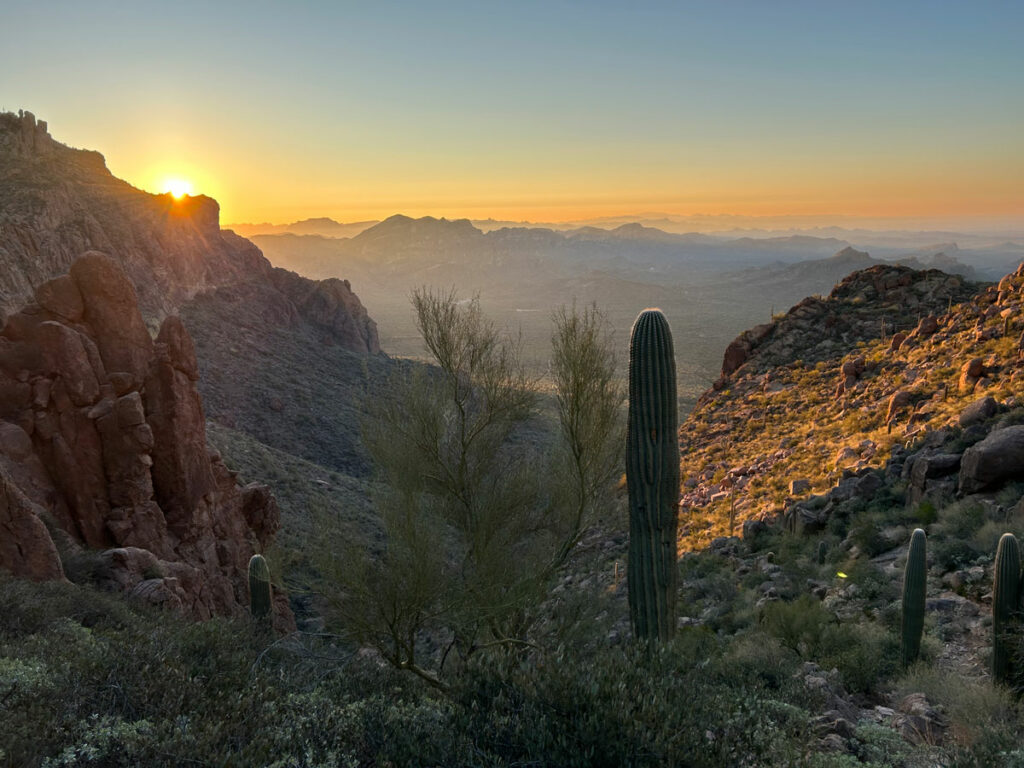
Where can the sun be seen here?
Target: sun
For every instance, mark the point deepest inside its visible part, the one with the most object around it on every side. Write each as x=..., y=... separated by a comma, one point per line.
x=178, y=188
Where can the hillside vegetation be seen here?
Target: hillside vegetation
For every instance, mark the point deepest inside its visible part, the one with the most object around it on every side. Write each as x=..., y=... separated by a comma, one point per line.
x=788, y=647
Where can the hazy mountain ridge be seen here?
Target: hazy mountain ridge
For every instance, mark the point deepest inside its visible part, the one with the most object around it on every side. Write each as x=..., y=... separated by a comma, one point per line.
x=710, y=288
x=322, y=226
x=884, y=236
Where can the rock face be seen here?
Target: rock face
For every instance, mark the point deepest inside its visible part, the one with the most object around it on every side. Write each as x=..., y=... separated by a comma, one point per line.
x=24, y=541
x=739, y=350
x=330, y=307
x=56, y=202
x=997, y=458
x=103, y=446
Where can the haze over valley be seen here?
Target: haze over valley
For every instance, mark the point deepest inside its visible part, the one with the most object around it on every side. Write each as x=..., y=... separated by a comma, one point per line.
x=710, y=286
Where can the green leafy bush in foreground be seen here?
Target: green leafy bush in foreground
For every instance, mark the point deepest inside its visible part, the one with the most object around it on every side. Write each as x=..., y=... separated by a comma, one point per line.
x=88, y=680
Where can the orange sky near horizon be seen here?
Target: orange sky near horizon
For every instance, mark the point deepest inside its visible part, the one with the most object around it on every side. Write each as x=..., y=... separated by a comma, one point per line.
x=549, y=110
x=251, y=191
x=255, y=184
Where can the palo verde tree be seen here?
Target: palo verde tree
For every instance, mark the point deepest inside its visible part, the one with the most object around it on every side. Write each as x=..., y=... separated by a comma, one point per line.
x=481, y=501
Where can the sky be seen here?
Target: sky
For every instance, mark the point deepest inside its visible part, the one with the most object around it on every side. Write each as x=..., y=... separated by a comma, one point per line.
x=541, y=111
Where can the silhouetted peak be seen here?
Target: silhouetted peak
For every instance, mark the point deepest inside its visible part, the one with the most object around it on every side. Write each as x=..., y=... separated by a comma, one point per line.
x=849, y=253
x=425, y=226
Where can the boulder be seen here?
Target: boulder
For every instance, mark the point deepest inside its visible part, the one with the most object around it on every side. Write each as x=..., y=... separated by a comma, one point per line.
x=919, y=722
x=740, y=348
x=753, y=528
x=979, y=411
x=849, y=373
x=994, y=460
x=736, y=354
x=846, y=457
x=897, y=340
x=928, y=468
x=927, y=326
x=970, y=373
x=799, y=487
x=899, y=399
x=61, y=297
x=936, y=465
x=867, y=485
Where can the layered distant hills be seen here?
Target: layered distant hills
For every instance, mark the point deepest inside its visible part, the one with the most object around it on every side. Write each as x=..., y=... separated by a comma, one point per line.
x=710, y=286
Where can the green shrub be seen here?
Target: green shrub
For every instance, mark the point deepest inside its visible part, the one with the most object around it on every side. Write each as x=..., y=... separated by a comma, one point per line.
x=624, y=708
x=864, y=653
x=926, y=513
x=984, y=719
x=953, y=554
x=866, y=533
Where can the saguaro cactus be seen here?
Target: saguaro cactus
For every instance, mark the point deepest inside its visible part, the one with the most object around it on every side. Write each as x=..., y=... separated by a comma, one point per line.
x=652, y=476
x=914, y=584
x=259, y=587
x=1005, y=603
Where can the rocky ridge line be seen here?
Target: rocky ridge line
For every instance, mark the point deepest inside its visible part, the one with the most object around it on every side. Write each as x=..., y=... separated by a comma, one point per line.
x=57, y=202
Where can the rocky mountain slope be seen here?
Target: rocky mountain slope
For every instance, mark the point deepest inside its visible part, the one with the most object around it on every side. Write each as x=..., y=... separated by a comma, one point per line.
x=56, y=202
x=284, y=359
x=836, y=383
x=311, y=342
x=103, y=449
x=897, y=402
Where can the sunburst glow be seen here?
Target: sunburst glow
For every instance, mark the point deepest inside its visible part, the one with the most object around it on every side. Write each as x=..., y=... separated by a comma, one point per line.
x=178, y=188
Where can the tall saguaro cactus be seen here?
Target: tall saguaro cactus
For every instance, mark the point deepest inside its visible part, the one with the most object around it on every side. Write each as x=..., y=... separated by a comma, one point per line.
x=914, y=584
x=1005, y=603
x=259, y=587
x=652, y=476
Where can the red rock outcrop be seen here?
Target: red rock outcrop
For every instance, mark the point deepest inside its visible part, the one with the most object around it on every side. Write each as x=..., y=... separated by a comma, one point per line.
x=103, y=445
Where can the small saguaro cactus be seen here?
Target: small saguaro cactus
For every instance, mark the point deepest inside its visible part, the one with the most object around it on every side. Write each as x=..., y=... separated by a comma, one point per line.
x=259, y=587
x=822, y=551
x=914, y=586
x=1005, y=603
x=652, y=477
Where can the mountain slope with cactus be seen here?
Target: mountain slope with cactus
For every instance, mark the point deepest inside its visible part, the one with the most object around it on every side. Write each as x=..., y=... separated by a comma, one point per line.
x=894, y=404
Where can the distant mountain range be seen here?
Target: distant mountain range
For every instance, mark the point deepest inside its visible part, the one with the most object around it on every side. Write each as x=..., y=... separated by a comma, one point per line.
x=991, y=255
x=320, y=226
x=861, y=232
x=710, y=286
